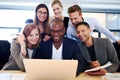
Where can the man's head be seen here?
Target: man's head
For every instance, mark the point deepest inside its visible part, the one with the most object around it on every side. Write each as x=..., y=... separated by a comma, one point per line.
x=57, y=29
x=83, y=31
x=75, y=14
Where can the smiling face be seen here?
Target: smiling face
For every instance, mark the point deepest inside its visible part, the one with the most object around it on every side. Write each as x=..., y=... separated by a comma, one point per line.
x=83, y=33
x=75, y=17
x=57, y=30
x=42, y=14
x=33, y=37
x=57, y=9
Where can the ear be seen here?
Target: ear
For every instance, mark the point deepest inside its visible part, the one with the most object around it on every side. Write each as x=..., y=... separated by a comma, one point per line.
x=80, y=14
x=90, y=29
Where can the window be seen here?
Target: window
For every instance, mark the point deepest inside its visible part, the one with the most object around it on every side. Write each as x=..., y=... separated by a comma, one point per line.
x=11, y=21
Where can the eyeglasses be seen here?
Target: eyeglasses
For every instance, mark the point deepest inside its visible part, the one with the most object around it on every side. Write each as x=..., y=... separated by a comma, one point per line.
x=45, y=13
x=57, y=31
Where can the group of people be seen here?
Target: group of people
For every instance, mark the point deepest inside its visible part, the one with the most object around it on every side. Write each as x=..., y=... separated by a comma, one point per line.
x=64, y=38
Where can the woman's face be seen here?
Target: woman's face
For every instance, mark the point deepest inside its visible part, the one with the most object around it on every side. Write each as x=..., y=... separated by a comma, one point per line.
x=42, y=14
x=33, y=36
x=57, y=9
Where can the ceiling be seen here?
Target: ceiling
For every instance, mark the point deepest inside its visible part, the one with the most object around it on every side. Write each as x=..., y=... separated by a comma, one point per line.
x=87, y=5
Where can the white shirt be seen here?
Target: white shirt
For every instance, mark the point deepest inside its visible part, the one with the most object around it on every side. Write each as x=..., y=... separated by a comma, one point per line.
x=30, y=52
x=94, y=24
x=57, y=53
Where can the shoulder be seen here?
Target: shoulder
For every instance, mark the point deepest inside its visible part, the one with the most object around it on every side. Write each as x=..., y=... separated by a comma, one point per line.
x=89, y=18
x=45, y=43
x=102, y=41
x=91, y=21
x=66, y=18
x=69, y=41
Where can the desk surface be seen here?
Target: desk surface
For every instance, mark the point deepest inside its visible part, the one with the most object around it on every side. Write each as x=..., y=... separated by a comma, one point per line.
x=18, y=75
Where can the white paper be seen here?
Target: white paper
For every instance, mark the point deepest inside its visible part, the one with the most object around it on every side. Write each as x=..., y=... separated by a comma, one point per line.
x=112, y=76
x=98, y=68
x=18, y=76
x=5, y=76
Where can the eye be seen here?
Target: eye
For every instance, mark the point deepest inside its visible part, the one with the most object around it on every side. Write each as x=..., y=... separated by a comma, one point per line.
x=30, y=35
x=58, y=8
x=36, y=34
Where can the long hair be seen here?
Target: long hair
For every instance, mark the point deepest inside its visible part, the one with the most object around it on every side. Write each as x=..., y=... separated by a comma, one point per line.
x=46, y=22
x=27, y=30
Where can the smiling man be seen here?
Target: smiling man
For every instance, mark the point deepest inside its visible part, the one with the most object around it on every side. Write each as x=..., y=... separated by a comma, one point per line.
x=60, y=47
x=96, y=51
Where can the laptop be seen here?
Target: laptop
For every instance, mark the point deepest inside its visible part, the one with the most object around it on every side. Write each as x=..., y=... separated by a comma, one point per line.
x=46, y=69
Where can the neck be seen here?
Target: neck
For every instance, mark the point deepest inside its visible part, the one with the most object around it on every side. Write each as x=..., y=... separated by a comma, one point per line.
x=89, y=42
x=61, y=17
x=57, y=44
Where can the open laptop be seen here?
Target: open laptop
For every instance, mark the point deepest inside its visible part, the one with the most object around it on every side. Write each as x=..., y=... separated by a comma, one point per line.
x=46, y=69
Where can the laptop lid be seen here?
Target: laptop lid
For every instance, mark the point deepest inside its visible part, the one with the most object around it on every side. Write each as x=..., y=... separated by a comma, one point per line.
x=44, y=69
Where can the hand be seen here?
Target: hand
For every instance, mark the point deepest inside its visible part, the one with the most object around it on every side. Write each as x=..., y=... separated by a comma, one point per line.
x=46, y=38
x=21, y=40
x=94, y=64
x=118, y=42
x=98, y=73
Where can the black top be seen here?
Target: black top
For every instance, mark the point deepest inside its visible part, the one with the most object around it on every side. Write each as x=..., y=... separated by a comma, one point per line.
x=66, y=20
x=91, y=51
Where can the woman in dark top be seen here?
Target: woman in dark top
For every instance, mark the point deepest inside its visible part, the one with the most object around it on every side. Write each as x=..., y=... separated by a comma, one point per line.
x=42, y=20
x=57, y=10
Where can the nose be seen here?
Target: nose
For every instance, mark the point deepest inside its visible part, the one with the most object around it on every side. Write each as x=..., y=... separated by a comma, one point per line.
x=79, y=34
x=55, y=33
x=35, y=38
x=73, y=21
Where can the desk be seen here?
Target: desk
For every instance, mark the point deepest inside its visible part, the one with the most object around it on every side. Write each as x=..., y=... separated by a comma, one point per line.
x=84, y=76
x=19, y=75
x=15, y=74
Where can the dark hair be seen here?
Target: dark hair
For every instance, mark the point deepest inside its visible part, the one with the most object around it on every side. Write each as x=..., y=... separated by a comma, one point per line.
x=83, y=23
x=27, y=30
x=74, y=8
x=46, y=22
x=56, y=21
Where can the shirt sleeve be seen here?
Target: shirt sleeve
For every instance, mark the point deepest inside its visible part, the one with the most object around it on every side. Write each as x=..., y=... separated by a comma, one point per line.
x=105, y=31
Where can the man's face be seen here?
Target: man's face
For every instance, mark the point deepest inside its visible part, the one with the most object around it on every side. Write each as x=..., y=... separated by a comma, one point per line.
x=57, y=32
x=75, y=17
x=83, y=33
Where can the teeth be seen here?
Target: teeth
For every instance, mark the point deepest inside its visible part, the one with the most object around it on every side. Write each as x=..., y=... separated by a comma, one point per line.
x=56, y=37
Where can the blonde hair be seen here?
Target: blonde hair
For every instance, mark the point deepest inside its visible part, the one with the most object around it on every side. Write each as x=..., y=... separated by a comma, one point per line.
x=56, y=1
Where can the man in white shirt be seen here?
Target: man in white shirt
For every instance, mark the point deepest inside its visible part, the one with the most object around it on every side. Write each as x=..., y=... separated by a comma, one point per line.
x=75, y=14
x=59, y=47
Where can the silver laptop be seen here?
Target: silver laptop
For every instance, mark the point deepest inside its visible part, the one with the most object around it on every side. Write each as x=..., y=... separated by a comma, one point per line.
x=46, y=69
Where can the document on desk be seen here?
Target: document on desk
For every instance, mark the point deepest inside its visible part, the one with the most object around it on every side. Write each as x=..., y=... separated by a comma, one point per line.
x=18, y=76
x=5, y=76
x=98, y=68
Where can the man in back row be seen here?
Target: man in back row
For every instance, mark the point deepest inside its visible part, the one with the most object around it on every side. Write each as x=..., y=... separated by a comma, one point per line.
x=75, y=15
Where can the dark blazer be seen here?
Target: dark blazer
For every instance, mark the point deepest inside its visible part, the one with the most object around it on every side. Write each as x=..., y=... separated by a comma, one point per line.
x=105, y=52
x=70, y=51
